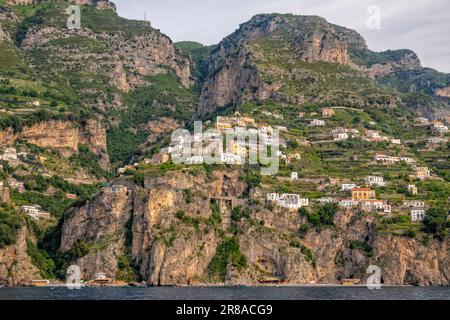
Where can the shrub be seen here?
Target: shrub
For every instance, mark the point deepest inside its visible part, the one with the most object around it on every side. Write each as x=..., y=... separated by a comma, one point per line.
x=435, y=223
x=227, y=251
x=10, y=223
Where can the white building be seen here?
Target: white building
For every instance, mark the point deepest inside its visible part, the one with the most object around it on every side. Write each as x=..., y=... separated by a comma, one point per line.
x=231, y=158
x=413, y=204
x=348, y=203
x=16, y=185
x=391, y=160
x=373, y=134
x=412, y=189
x=325, y=200
x=396, y=141
x=294, y=176
x=292, y=201
x=439, y=128
x=273, y=197
x=281, y=128
x=9, y=154
x=340, y=136
x=435, y=141
x=348, y=186
x=194, y=160
x=374, y=181
x=289, y=201
x=418, y=214
x=36, y=212
x=317, y=123
x=240, y=130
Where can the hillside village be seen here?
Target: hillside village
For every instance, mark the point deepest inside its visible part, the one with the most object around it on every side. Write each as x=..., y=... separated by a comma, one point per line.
x=89, y=172
x=346, y=195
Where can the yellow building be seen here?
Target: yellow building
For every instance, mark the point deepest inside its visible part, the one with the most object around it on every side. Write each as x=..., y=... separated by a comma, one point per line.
x=221, y=126
x=362, y=194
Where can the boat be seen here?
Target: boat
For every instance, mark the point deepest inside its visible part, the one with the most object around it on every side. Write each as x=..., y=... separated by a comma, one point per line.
x=40, y=283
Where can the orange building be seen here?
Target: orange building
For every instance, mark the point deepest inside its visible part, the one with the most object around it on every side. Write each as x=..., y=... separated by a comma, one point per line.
x=362, y=194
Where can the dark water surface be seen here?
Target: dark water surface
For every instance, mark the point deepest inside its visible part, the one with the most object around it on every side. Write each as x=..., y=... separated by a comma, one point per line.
x=227, y=293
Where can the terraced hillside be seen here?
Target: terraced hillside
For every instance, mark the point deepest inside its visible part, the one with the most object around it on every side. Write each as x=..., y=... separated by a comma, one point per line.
x=86, y=177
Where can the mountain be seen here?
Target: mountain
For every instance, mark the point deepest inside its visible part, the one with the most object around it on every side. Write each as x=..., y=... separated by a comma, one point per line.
x=304, y=59
x=76, y=105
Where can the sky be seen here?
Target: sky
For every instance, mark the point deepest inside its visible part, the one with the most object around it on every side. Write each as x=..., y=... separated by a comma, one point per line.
x=420, y=25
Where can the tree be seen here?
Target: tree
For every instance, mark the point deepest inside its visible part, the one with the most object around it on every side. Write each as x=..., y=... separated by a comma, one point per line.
x=436, y=222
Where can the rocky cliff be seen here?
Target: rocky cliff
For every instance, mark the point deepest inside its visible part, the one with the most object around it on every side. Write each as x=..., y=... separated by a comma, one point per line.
x=16, y=267
x=171, y=238
x=63, y=136
x=286, y=58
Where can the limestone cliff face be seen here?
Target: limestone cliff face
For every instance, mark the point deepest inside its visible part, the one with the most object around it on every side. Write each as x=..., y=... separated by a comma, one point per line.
x=167, y=249
x=443, y=92
x=15, y=264
x=92, y=133
x=63, y=136
x=125, y=60
x=53, y=134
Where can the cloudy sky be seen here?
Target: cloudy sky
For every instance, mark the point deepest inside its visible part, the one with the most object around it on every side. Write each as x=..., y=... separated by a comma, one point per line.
x=420, y=25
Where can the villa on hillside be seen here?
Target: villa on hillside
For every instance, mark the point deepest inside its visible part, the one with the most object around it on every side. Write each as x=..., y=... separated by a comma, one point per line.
x=412, y=189
x=439, y=128
x=422, y=173
x=16, y=185
x=362, y=194
x=36, y=212
x=374, y=181
x=375, y=205
x=348, y=203
x=418, y=214
x=326, y=200
x=436, y=141
x=348, y=186
x=413, y=204
x=340, y=136
x=317, y=123
x=288, y=201
x=9, y=154
x=384, y=159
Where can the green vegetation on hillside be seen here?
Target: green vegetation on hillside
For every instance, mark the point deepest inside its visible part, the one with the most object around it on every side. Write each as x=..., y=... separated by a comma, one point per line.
x=10, y=223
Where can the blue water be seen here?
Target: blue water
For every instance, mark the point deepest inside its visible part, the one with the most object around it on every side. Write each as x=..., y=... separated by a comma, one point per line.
x=227, y=293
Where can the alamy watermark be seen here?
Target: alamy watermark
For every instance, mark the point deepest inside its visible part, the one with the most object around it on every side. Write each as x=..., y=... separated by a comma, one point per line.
x=374, y=20
x=374, y=281
x=74, y=19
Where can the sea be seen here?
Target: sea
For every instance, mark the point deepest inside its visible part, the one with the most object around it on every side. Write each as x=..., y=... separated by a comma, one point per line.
x=227, y=293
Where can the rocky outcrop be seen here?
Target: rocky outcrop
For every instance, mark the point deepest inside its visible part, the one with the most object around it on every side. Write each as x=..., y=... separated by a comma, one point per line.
x=100, y=4
x=15, y=264
x=92, y=133
x=4, y=195
x=59, y=135
x=126, y=61
x=169, y=239
x=234, y=75
x=410, y=262
x=63, y=136
x=443, y=92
